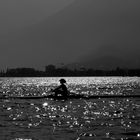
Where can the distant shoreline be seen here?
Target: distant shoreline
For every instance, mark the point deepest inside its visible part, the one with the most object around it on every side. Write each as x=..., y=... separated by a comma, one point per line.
x=59, y=76
x=52, y=71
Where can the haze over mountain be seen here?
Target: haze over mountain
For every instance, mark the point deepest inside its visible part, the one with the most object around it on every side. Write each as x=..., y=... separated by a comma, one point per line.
x=93, y=33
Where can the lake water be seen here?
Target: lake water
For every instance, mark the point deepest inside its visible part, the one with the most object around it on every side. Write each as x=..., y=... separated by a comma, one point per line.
x=73, y=119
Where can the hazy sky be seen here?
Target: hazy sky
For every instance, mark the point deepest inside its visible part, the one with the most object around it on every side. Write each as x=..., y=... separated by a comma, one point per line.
x=15, y=15
x=19, y=13
x=94, y=33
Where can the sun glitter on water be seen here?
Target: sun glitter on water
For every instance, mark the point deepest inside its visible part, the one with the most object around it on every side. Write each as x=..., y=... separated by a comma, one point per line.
x=45, y=104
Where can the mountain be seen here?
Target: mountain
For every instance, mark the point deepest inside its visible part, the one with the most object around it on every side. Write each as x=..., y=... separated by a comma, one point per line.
x=95, y=33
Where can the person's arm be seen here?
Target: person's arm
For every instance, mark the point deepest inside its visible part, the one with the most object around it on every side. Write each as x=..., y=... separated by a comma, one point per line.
x=59, y=87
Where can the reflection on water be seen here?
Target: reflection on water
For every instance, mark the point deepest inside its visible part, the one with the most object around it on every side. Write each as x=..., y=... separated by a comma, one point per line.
x=74, y=119
x=78, y=85
x=77, y=119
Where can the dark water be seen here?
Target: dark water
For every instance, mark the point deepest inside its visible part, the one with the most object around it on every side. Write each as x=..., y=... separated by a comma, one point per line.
x=75, y=119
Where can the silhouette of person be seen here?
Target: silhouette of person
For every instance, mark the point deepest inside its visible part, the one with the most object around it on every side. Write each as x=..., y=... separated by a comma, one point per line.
x=62, y=89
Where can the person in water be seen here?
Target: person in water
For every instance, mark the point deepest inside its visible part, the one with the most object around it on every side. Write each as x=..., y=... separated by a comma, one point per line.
x=62, y=89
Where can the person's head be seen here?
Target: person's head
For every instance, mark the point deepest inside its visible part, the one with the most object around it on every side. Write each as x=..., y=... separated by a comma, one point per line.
x=62, y=81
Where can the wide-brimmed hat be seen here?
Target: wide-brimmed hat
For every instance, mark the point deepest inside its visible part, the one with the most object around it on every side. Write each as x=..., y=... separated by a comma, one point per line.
x=62, y=80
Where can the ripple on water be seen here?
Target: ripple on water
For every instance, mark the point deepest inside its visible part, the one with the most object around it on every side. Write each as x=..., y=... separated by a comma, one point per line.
x=72, y=119
x=93, y=118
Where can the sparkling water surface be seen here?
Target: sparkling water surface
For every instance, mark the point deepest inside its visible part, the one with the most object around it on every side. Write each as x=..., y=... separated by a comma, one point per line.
x=73, y=119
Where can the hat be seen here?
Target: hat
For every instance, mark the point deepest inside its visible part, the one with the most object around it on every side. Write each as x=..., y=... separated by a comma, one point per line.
x=62, y=80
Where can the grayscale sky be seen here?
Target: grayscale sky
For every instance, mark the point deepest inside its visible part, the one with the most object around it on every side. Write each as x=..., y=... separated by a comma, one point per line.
x=92, y=33
x=19, y=13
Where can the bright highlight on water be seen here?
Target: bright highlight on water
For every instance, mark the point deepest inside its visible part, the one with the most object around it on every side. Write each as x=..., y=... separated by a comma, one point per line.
x=73, y=119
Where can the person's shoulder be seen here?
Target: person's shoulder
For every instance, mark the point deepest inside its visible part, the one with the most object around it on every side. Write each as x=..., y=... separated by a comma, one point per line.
x=63, y=85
